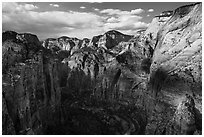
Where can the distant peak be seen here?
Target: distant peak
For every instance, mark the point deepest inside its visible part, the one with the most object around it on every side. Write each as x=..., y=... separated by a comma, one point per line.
x=64, y=37
x=113, y=32
x=10, y=32
x=86, y=39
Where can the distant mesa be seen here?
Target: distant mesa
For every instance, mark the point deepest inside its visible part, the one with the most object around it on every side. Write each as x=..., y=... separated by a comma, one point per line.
x=110, y=39
x=20, y=37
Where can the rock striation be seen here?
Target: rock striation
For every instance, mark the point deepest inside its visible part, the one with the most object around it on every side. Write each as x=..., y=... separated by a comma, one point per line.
x=30, y=85
x=176, y=61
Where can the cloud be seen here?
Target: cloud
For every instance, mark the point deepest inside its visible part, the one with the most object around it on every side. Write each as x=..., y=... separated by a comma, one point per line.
x=95, y=2
x=28, y=7
x=43, y=24
x=8, y=7
x=151, y=10
x=112, y=20
x=111, y=11
x=148, y=15
x=120, y=12
x=82, y=7
x=125, y=22
x=24, y=18
x=137, y=11
x=96, y=9
x=54, y=5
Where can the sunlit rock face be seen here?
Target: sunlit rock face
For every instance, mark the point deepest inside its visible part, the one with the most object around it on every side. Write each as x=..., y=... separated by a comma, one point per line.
x=62, y=43
x=176, y=63
x=178, y=52
x=85, y=42
x=150, y=36
x=65, y=43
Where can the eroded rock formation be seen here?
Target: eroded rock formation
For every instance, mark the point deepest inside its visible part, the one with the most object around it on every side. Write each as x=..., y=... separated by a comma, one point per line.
x=176, y=62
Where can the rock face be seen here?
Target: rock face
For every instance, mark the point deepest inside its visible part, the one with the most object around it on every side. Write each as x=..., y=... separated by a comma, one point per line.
x=178, y=51
x=94, y=41
x=30, y=85
x=109, y=39
x=149, y=83
x=176, y=62
x=184, y=120
x=7, y=123
x=112, y=38
x=65, y=43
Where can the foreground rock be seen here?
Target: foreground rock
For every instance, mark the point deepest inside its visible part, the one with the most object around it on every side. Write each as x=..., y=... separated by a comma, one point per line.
x=176, y=64
x=30, y=85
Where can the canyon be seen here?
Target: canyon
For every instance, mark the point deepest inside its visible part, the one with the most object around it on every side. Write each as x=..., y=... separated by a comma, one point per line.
x=113, y=84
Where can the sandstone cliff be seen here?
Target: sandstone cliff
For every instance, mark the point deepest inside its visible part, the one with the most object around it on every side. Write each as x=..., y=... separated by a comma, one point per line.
x=109, y=39
x=176, y=61
x=30, y=84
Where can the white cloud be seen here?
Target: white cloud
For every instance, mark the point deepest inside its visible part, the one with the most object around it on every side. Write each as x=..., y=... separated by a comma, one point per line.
x=112, y=20
x=96, y=9
x=54, y=5
x=111, y=11
x=151, y=10
x=14, y=7
x=82, y=7
x=148, y=15
x=120, y=12
x=43, y=24
x=24, y=18
x=125, y=22
x=95, y=2
x=29, y=7
x=137, y=11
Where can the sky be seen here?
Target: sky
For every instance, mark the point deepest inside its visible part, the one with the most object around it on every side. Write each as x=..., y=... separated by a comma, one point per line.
x=80, y=19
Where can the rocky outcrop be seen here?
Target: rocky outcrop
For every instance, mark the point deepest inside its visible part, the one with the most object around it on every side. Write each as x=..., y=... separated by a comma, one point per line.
x=176, y=69
x=112, y=38
x=109, y=39
x=178, y=51
x=149, y=39
x=185, y=119
x=165, y=14
x=8, y=35
x=94, y=41
x=18, y=47
x=65, y=43
x=7, y=123
x=30, y=86
x=85, y=42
